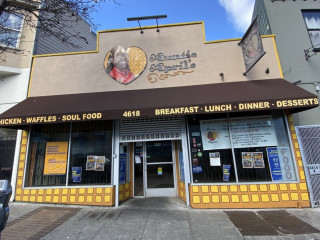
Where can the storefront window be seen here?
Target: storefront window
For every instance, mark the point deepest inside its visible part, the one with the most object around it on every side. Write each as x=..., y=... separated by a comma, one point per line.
x=91, y=151
x=258, y=144
x=47, y=155
x=89, y=147
x=211, y=154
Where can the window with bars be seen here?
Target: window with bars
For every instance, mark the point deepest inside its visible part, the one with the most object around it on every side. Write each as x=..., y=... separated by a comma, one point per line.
x=312, y=20
x=10, y=29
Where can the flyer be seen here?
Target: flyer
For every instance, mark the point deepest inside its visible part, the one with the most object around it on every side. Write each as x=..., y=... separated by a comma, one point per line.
x=214, y=159
x=76, y=174
x=100, y=162
x=55, y=161
x=226, y=172
x=91, y=163
x=258, y=161
x=247, y=160
x=274, y=162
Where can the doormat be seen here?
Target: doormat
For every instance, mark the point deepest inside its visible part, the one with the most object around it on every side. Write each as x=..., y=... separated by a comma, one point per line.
x=268, y=223
x=37, y=223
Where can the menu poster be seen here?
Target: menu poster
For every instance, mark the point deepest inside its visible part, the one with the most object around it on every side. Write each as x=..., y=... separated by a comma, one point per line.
x=258, y=161
x=214, y=159
x=247, y=160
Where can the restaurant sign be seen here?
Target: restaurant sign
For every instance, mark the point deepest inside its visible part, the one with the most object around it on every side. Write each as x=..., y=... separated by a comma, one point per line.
x=109, y=114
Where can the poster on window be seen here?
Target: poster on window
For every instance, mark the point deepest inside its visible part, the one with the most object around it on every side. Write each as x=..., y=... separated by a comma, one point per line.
x=215, y=134
x=258, y=161
x=256, y=131
x=91, y=163
x=95, y=163
x=55, y=161
x=214, y=159
x=247, y=161
x=274, y=163
x=76, y=174
x=100, y=162
x=226, y=172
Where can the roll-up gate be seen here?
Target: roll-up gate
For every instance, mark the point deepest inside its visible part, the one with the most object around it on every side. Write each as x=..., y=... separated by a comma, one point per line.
x=309, y=141
x=146, y=129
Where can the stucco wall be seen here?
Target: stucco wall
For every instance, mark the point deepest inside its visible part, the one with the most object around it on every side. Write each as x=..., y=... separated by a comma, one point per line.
x=80, y=73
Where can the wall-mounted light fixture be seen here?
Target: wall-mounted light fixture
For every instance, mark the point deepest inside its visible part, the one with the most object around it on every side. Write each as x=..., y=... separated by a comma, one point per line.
x=222, y=76
x=315, y=84
x=267, y=70
x=156, y=17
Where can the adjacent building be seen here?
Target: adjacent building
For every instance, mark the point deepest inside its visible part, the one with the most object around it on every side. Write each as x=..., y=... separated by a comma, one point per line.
x=163, y=113
x=18, y=38
x=296, y=25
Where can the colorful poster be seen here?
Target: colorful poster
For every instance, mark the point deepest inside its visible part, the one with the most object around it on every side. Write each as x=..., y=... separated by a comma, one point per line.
x=91, y=163
x=247, y=161
x=215, y=134
x=274, y=163
x=100, y=162
x=258, y=161
x=55, y=161
x=76, y=174
x=226, y=172
x=214, y=159
x=160, y=171
x=95, y=163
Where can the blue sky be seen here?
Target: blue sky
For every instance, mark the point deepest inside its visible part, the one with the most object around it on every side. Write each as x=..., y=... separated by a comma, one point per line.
x=224, y=19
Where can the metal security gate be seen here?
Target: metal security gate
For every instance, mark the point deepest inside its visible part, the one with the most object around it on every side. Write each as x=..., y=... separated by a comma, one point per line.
x=148, y=129
x=309, y=141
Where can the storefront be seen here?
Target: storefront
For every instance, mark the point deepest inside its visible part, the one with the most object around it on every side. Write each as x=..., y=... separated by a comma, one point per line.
x=167, y=114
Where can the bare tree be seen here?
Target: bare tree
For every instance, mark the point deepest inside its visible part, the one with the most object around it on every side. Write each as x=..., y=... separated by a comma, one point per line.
x=53, y=17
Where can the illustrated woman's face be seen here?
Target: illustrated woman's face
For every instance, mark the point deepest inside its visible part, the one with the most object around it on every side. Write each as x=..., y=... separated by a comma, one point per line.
x=121, y=61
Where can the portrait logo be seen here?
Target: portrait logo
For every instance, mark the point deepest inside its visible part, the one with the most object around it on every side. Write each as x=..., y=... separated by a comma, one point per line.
x=125, y=65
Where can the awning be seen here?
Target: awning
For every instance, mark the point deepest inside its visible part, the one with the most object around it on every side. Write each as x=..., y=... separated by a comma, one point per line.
x=200, y=99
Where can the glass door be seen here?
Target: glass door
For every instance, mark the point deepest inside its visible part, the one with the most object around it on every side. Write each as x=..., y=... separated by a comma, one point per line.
x=159, y=169
x=138, y=169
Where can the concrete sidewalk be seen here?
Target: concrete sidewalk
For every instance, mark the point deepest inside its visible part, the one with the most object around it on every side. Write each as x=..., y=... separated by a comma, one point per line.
x=157, y=218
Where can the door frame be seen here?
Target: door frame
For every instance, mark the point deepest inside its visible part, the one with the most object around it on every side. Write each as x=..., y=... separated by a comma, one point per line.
x=157, y=192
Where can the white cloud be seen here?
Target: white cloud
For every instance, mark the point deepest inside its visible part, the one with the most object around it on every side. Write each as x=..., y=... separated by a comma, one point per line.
x=239, y=12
